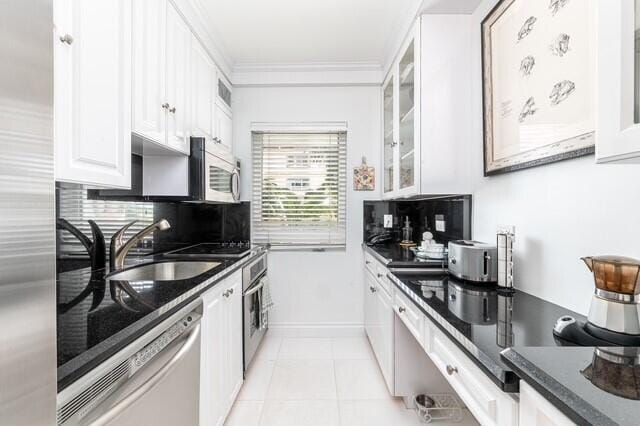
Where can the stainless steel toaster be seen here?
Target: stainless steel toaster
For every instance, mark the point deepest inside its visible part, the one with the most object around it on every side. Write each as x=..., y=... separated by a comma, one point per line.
x=473, y=261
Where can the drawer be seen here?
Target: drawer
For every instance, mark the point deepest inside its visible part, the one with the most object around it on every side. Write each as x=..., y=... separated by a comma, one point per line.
x=370, y=263
x=378, y=270
x=484, y=399
x=381, y=277
x=410, y=315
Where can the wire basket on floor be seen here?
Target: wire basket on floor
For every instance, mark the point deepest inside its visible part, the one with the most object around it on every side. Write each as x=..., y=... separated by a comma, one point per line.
x=437, y=407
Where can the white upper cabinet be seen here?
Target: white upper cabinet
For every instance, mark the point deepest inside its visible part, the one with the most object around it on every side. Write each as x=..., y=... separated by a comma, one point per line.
x=426, y=110
x=224, y=127
x=178, y=80
x=161, y=75
x=401, y=122
x=224, y=122
x=447, y=75
x=92, y=83
x=149, y=120
x=203, y=79
x=618, y=92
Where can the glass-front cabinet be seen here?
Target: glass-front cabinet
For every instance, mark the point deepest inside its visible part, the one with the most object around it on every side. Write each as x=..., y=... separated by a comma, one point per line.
x=389, y=135
x=617, y=48
x=401, y=122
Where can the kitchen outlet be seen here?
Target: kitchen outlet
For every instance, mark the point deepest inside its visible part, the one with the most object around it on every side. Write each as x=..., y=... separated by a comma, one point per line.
x=441, y=225
x=388, y=221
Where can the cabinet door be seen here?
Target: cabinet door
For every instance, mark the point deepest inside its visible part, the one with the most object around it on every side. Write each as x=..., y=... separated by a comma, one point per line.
x=389, y=141
x=213, y=357
x=92, y=82
x=618, y=81
x=178, y=52
x=203, y=73
x=149, y=71
x=384, y=310
x=224, y=127
x=369, y=305
x=233, y=340
x=535, y=410
x=408, y=92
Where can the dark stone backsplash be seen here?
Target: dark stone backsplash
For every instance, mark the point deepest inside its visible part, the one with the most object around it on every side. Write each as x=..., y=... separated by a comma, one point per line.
x=455, y=210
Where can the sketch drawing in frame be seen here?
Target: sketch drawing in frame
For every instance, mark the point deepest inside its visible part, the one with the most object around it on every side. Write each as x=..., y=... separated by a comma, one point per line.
x=539, y=73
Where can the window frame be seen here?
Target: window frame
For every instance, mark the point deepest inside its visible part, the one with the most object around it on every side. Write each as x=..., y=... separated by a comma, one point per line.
x=258, y=230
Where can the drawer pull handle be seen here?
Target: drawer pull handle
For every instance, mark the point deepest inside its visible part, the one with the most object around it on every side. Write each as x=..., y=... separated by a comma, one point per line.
x=66, y=39
x=451, y=370
x=401, y=309
x=373, y=289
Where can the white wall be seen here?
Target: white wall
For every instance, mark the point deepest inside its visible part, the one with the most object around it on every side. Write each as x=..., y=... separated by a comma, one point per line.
x=561, y=211
x=316, y=293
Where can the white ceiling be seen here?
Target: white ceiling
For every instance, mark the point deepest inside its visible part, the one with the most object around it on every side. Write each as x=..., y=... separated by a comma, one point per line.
x=307, y=31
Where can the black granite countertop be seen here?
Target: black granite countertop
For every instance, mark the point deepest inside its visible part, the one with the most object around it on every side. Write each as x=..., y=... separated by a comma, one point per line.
x=591, y=386
x=97, y=317
x=482, y=320
x=393, y=255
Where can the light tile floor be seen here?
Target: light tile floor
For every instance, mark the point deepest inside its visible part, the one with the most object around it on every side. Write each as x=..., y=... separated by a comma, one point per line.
x=317, y=381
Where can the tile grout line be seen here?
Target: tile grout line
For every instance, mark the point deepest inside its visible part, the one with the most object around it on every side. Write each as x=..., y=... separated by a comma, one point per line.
x=335, y=383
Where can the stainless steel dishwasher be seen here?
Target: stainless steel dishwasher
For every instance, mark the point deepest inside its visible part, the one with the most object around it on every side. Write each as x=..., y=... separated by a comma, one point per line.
x=155, y=380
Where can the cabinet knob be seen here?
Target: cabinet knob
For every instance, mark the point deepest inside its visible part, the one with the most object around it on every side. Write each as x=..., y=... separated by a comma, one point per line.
x=66, y=39
x=380, y=275
x=172, y=110
x=401, y=309
x=372, y=289
x=451, y=369
x=165, y=105
x=226, y=293
x=230, y=291
x=366, y=262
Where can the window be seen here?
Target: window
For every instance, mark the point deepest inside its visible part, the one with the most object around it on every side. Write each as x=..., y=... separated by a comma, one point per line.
x=299, y=189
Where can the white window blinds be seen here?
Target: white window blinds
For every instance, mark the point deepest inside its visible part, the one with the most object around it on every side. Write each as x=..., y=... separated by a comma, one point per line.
x=299, y=189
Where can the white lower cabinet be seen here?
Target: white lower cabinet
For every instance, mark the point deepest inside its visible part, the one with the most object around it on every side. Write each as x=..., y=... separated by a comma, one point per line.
x=488, y=404
x=379, y=326
x=415, y=356
x=535, y=410
x=221, y=358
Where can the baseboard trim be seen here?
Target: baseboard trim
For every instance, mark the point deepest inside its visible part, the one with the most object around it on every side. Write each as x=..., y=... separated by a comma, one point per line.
x=316, y=329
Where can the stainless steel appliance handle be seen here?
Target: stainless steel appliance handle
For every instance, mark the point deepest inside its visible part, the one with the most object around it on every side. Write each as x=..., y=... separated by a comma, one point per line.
x=254, y=289
x=150, y=383
x=235, y=185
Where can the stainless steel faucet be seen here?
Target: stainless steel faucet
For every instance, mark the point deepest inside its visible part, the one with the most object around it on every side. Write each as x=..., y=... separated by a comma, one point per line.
x=119, y=249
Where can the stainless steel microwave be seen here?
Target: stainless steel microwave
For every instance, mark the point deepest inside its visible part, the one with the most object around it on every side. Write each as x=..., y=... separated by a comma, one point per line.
x=214, y=173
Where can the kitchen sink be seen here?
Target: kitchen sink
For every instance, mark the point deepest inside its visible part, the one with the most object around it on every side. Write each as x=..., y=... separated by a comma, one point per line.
x=164, y=271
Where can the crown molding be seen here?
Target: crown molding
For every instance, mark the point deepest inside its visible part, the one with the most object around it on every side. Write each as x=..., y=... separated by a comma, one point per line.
x=198, y=19
x=307, y=74
x=404, y=26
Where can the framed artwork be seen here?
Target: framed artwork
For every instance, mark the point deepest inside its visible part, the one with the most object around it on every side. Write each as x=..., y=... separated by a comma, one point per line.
x=364, y=177
x=539, y=74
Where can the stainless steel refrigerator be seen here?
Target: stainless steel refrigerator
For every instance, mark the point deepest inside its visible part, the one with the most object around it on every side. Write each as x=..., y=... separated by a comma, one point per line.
x=27, y=232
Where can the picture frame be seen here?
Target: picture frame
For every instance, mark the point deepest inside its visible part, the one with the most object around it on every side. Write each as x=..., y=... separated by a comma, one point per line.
x=541, y=109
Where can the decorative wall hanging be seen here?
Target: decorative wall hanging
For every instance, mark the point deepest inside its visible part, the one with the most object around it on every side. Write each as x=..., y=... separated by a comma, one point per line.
x=538, y=83
x=364, y=177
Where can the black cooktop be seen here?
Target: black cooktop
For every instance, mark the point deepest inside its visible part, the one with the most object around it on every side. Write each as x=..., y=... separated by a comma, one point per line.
x=483, y=320
x=214, y=250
